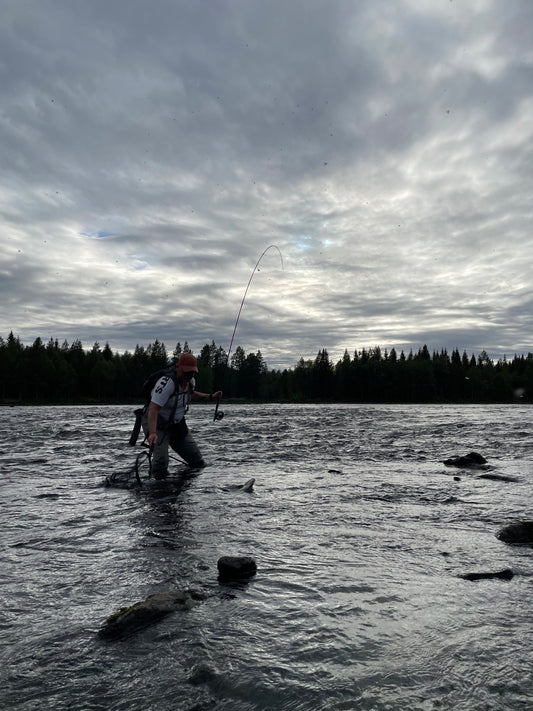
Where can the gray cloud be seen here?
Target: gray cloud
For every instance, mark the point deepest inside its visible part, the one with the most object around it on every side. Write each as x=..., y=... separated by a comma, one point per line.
x=151, y=152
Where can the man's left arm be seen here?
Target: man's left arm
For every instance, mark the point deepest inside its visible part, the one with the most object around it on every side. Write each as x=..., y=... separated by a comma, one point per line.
x=206, y=397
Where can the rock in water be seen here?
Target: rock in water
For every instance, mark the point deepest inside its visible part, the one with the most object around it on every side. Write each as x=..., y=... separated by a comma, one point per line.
x=236, y=568
x=144, y=613
x=471, y=460
x=505, y=574
x=519, y=533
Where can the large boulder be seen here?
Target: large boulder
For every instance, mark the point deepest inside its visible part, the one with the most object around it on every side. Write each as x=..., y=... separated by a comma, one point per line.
x=144, y=613
x=519, y=533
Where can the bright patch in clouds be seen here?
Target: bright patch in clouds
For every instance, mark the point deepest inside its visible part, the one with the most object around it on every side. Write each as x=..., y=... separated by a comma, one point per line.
x=100, y=234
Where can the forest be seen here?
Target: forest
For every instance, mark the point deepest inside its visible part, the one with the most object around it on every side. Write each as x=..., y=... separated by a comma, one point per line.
x=54, y=373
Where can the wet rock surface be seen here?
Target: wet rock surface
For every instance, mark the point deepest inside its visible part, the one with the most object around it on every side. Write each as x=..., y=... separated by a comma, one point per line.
x=519, y=533
x=473, y=460
x=236, y=567
x=146, y=612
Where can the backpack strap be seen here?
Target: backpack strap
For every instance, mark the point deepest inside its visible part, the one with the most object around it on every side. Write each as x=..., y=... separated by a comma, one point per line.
x=176, y=399
x=190, y=390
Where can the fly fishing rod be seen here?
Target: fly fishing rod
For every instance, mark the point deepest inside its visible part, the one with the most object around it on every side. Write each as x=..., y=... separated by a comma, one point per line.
x=218, y=413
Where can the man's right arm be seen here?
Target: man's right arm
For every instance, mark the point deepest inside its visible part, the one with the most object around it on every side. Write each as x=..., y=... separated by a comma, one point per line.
x=153, y=412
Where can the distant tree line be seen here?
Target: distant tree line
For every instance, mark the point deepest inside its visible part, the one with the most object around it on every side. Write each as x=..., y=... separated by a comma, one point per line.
x=67, y=373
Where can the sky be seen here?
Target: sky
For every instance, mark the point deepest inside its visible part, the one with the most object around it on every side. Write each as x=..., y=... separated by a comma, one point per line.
x=152, y=151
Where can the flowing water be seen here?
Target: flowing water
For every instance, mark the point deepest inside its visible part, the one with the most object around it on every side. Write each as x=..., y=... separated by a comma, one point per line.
x=359, y=531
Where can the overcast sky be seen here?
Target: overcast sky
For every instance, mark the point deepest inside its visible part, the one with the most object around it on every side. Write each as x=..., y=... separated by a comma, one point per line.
x=152, y=150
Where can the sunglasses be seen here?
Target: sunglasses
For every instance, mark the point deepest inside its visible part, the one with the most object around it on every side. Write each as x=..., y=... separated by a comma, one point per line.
x=189, y=374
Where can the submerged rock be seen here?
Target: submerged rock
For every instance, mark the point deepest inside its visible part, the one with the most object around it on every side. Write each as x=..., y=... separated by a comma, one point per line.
x=519, y=533
x=505, y=574
x=473, y=460
x=497, y=477
x=236, y=567
x=144, y=613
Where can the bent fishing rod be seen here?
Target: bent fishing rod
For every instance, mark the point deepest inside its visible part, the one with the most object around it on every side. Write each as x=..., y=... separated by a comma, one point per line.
x=218, y=413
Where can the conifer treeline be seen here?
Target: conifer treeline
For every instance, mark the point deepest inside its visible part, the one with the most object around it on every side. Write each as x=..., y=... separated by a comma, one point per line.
x=66, y=373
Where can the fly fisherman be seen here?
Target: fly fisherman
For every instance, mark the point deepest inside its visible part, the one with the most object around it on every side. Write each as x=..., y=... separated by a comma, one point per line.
x=164, y=423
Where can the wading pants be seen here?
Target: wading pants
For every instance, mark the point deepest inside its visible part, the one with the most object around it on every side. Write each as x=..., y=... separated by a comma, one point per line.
x=181, y=441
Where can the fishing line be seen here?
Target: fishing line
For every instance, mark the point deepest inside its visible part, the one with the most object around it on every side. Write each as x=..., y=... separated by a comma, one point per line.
x=246, y=290
x=220, y=415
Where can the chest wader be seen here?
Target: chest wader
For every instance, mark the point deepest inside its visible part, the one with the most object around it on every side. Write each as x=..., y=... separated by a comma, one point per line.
x=175, y=434
x=182, y=442
x=160, y=449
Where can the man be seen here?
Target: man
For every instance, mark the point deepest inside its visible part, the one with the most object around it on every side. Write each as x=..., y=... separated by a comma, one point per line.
x=164, y=424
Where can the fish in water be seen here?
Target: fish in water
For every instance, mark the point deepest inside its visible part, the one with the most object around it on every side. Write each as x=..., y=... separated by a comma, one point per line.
x=248, y=486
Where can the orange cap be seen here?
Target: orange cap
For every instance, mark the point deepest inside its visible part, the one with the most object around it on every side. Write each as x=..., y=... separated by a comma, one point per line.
x=187, y=362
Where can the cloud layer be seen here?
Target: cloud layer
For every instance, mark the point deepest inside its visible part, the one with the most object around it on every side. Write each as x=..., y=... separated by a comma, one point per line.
x=152, y=151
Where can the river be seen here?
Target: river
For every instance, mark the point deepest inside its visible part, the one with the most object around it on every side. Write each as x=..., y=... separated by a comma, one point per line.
x=359, y=532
